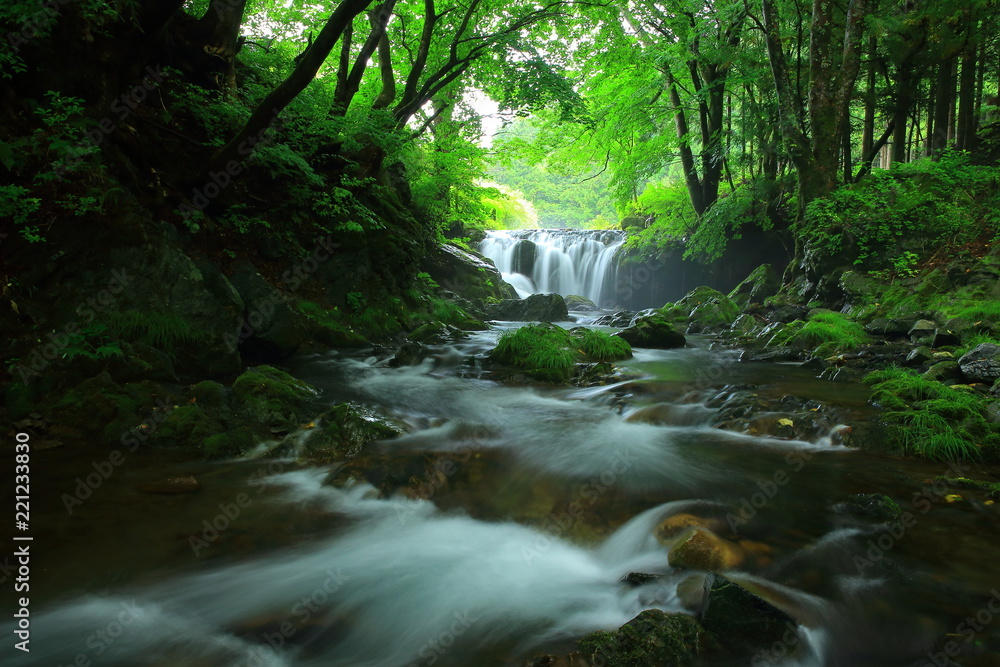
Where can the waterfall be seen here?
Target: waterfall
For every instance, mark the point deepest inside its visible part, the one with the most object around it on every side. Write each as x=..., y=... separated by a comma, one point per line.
x=564, y=261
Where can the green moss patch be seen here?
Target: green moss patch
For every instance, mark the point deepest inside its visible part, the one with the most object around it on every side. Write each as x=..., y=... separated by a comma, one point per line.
x=548, y=352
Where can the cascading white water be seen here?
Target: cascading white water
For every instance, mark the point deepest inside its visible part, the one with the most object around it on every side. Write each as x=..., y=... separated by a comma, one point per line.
x=563, y=261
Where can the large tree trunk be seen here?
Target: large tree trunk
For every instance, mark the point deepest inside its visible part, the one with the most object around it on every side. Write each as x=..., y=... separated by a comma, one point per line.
x=943, y=103
x=220, y=29
x=687, y=156
x=966, y=126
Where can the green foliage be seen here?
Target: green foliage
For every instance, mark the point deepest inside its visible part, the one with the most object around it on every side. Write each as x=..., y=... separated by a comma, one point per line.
x=832, y=333
x=356, y=301
x=93, y=342
x=893, y=218
x=163, y=331
x=17, y=206
x=933, y=420
x=542, y=351
x=746, y=206
x=599, y=346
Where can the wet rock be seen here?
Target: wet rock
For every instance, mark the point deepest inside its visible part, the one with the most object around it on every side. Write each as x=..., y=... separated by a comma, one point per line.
x=621, y=318
x=786, y=314
x=815, y=364
x=892, y=328
x=981, y=364
x=701, y=549
x=919, y=356
x=171, y=485
x=467, y=274
x=636, y=579
x=674, y=525
x=536, y=308
x=339, y=434
x=691, y=590
x=747, y=325
x=878, y=506
x=762, y=282
x=944, y=371
x=944, y=337
x=576, y=302
x=187, y=427
x=409, y=354
x=653, y=637
x=435, y=333
x=739, y=618
x=708, y=309
x=272, y=329
x=654, y=332
x=857, y=287
x=272, y=398
x=922, y=330
x=992, y=412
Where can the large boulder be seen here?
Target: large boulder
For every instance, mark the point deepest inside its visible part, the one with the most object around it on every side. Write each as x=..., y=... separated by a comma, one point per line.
x=272, y=398
x=981, y=364
x=707, y=309
x=339, y=434
x=470, y=275
x=653, y=331
x=576, y=302
x=700, y=549
x=536, y=308
x=272, y=329
x=762, y=282
x=739, y=618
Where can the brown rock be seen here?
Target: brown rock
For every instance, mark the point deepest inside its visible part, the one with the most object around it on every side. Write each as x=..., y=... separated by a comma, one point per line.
x=674, y=525
x=701, y=549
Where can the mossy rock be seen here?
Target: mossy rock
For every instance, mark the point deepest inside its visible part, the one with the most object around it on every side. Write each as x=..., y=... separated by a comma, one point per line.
x=708, y=309
x=209, y=394
x=875, y=505
x=272, y=398
x=653, y=331
x=550, y=353
x=740, y=619
x=228, y=444
x=99, y=407
x=762, y=282
x=186, y=427
x=654, y=637
x=341, y=433
x=326, y=326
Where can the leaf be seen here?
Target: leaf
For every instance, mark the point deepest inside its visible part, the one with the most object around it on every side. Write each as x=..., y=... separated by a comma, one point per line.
x=785, y=421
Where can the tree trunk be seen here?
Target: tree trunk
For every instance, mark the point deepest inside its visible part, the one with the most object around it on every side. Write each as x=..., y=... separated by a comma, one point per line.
x=868, y=128
x=901, y=112
x=229, y=158
x=965, y=130
x=687, y=156
x=220, y=29
x=943, y=102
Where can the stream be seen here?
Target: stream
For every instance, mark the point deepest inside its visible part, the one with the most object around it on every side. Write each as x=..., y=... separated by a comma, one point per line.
x=512, y=542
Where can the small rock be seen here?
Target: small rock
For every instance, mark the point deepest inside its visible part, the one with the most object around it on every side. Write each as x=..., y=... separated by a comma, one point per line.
x=636, y=579
x=919, y=355
x=675, y=525
x=171, y=485
x=876, y=505
x=922, y=329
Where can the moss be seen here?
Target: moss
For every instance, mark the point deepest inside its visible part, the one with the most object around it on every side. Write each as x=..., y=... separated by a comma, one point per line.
x=829, y=333
x=992, y=489
x=209, y=394
x=326, y=325
x=599, y=346
x=543, y=351
x=187, y=427
x=224, y=445
x=653, y=637
x=271, y=397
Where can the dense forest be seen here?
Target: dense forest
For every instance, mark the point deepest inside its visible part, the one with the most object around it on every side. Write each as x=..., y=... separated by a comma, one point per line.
x=467, y=332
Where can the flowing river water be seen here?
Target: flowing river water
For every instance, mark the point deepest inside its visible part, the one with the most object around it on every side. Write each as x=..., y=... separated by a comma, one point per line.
x=514, y=541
